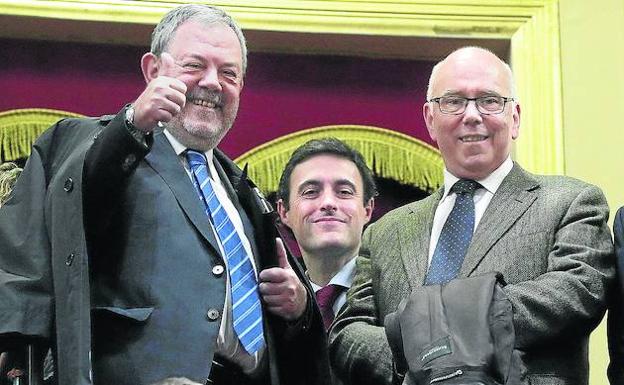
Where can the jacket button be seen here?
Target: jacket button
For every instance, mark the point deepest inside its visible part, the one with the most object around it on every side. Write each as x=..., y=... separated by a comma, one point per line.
x=68, y=185
x=70, y=259
x=218, y=270
x=212, y=315
x=128, y=162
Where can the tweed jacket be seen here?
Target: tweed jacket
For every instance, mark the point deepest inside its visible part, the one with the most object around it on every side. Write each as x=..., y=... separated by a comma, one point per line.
x=547, y=235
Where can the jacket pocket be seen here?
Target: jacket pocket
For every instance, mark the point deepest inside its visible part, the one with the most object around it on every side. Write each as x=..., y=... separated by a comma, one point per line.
x=138, y=314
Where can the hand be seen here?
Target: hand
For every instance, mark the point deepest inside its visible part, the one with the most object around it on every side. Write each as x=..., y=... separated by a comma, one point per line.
x=163, y=98
x=281, y=290
x=176, y=381
x=14, y=373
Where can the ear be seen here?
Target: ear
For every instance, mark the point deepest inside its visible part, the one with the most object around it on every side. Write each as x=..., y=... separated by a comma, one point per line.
x=515, y=129
x=283, y=213
x=149, y=67
x=428, y=118
x=369, y=207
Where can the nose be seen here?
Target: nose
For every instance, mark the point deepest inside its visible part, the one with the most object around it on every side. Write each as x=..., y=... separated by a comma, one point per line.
x=328, y=202
x=472, y=114
x=210, y=79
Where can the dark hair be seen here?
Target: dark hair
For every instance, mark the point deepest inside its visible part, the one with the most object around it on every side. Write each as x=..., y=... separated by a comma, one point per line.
x=323, y=146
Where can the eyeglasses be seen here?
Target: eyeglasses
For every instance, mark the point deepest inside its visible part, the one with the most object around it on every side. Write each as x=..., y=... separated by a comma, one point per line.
x=486, y=105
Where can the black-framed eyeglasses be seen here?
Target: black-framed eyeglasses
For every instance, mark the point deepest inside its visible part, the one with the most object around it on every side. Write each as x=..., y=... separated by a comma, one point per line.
x=456, y=105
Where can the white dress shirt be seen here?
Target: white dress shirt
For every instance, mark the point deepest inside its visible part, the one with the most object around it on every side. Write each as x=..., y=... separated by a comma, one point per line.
x=344, y=278
x=482, y=197
x=228, y=345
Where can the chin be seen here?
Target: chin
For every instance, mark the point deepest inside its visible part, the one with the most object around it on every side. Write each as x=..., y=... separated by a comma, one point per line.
x=331, y=243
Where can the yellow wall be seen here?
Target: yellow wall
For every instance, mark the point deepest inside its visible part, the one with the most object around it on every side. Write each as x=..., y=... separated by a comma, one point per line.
x=592, y=61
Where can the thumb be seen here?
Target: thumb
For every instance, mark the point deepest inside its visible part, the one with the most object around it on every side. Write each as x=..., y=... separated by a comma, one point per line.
x=282, y=258
x=168, y=66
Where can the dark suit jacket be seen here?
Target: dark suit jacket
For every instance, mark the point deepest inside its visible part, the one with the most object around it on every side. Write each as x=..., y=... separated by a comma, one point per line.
x=132, y=257
x=616, y=307
x=549, y=238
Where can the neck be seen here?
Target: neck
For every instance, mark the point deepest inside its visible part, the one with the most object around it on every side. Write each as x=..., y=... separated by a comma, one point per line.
x=322, y=268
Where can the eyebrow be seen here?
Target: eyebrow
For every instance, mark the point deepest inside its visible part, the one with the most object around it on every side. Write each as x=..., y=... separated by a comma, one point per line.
x=317, y=183
x=482, y=93
x=202, y=59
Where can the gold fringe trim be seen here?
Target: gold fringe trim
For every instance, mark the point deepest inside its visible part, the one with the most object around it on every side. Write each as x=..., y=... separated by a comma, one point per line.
x=20, y=128
x=390, y=154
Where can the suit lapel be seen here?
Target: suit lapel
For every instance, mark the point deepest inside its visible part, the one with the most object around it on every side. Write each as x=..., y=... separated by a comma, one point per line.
x=514, y=196
x=256, y=212
x=163, y=159
x=231, y=178
x=414, y=238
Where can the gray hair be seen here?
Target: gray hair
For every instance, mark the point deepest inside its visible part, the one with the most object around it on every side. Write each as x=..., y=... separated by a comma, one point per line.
x=8, y=176
x=434, y=71
x=206, y=14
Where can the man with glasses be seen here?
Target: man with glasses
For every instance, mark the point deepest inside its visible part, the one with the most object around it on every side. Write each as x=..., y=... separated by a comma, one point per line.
x=547, y=235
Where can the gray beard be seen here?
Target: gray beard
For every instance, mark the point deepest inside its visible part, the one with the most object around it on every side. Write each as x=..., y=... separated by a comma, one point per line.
x=189, y=139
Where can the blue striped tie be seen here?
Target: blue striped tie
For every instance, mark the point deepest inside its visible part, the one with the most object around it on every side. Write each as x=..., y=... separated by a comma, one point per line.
x=246, y=307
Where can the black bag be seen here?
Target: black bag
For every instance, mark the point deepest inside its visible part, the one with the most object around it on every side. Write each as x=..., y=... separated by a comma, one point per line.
x=458, y=333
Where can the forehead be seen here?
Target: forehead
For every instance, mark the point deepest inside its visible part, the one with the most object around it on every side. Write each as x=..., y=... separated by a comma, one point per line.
x=195, y=37
x=472, y=73
x=325, y=168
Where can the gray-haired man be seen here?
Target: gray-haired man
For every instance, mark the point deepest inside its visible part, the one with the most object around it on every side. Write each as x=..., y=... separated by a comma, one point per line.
x=149, y=249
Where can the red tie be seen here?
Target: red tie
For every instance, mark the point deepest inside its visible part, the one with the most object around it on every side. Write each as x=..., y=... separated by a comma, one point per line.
x=325, y=298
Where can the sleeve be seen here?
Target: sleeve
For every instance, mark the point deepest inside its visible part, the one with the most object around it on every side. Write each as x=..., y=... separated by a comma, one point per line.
x=113, y=156
x=26, y=303
x=359, y=350
x=615, y=326
x=570, y=297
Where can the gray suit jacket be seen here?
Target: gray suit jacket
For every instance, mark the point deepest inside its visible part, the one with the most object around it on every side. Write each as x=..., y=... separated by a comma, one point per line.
x=549, y=238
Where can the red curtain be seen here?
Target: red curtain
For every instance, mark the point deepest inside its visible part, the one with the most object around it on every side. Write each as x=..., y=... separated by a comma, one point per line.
x=282, y=93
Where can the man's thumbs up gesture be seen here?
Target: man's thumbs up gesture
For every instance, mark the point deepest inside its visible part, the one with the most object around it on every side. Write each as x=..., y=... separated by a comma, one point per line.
x=165, y=95
x=281, y=289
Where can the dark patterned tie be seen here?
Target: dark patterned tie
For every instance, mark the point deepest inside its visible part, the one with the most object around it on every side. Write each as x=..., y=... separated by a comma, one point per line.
x=325, y=297
x=246, y=309
x=455, y=236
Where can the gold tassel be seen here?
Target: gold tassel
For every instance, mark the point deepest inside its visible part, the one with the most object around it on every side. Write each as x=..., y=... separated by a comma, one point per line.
x=20, y=128
x=390, y=154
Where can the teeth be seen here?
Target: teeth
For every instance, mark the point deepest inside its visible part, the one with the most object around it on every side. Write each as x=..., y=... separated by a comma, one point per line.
x=473, y=138
x=204, y=103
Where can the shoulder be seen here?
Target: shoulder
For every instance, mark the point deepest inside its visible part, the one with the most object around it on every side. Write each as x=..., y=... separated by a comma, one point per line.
x=559, y=188
x=618, y=222
x=413, y=211
x=72, y=130
x=570, y=190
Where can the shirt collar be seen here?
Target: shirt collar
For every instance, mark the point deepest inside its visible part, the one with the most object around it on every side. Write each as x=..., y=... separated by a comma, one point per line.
x=344, y=277
x=179, y=148
x=491, y=182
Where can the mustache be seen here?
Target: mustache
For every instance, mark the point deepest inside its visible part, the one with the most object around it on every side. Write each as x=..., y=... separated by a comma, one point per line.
x=209, y=96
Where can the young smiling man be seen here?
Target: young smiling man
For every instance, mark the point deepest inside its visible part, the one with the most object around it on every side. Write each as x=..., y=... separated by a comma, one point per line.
x=547, y=235
x=326, y=197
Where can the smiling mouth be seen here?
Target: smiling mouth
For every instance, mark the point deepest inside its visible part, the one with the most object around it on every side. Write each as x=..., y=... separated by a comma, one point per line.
x=328, y=219
x=204, y=103
x=473, y=138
